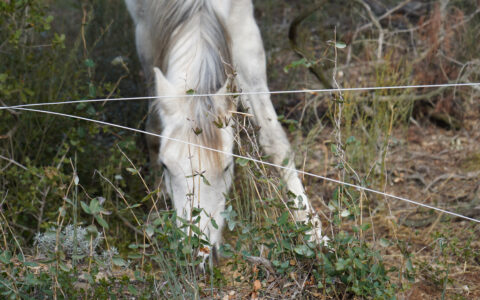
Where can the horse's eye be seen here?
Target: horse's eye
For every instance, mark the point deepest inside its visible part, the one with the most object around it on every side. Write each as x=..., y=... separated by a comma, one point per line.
x=226, y=168
x=164, y=166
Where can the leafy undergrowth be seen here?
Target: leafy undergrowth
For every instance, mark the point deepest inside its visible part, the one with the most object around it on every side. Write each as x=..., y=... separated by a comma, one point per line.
x=272, y=259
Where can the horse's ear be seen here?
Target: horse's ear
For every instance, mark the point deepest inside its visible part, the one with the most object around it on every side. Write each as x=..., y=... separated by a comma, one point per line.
x=225, y=88
x=228, y=104
x=162, y=86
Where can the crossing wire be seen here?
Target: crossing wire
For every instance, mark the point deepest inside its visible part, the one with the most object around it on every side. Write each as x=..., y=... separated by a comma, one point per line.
x=253, y=160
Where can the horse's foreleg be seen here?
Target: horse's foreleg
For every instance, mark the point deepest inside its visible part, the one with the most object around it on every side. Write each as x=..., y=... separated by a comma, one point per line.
x=249, y=61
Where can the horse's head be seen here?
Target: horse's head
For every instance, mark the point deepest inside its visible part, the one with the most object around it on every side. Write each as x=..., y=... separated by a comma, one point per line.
x=194, y=176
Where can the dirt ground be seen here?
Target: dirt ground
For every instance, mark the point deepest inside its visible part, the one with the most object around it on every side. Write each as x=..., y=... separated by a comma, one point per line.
x=438, y=167
x=426, y=162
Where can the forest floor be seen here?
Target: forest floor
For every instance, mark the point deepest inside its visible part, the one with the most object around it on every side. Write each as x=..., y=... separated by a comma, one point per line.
x=430, y=165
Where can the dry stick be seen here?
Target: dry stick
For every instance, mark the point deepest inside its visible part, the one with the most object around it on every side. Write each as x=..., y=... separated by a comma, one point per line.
x=358, y=30
x=386, y=14
x=11, y=232
x=376, y=22
x=4, y=235
x=257, y=161
x=14, y=162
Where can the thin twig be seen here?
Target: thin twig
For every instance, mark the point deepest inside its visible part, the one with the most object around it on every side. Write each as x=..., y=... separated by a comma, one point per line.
x=14, y=162
x=376, y=22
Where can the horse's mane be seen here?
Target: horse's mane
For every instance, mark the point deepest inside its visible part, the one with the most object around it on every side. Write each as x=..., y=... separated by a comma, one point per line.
x=172, y=22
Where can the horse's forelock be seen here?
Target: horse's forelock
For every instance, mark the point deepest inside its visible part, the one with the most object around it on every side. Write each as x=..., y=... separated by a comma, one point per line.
x=169, y=22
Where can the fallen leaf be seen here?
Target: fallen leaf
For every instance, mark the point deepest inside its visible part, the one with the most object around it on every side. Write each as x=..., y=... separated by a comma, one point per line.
x=257, y=285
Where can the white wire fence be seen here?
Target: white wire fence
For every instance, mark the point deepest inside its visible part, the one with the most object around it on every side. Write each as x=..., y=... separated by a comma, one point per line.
x=26, y=107
x=307, y=91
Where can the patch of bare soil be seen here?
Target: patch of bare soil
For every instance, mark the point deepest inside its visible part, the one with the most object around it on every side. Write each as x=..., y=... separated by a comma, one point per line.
x=434, y=166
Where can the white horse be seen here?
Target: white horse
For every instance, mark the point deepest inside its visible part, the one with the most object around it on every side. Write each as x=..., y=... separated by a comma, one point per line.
x=193, y=45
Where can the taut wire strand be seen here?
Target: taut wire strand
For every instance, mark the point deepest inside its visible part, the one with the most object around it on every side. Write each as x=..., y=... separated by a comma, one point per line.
x=252, y=159
x=312, y=91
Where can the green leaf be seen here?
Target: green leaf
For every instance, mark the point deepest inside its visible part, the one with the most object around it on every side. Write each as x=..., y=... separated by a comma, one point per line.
x=365, y=226
x=190, y=92
x=282, y=220
x=358, y=263
x=120, y=262
x=195, y=229
x=85, y=207
x=340, y=45
x=150, y=231
x=62, y=211
x=226, y=250
x=241, y=161
x=345, y=213
x=31, y=280
x=101, y=221
x=78, y=257
x=214, y=223
x=304, y=250
x=133, y=206
x=31, y=264
x=297, y=63
x=231, y=225
x=350, y=140
x=333, y=148
x=89, y=278
x=133, y=246
x=197, y=130
x=64, y=267
x=89, y=63
x=20, y=257
x=384, y=242
x=205, y=181
x=133, y=290
x=132, y=171
x=5, y=257
x=92, y=91
x=81, y=106
x=92, y=229
x=196, y=211
x=95, y=206
x=340, y=264
x=409, y=265
x=187, y=250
